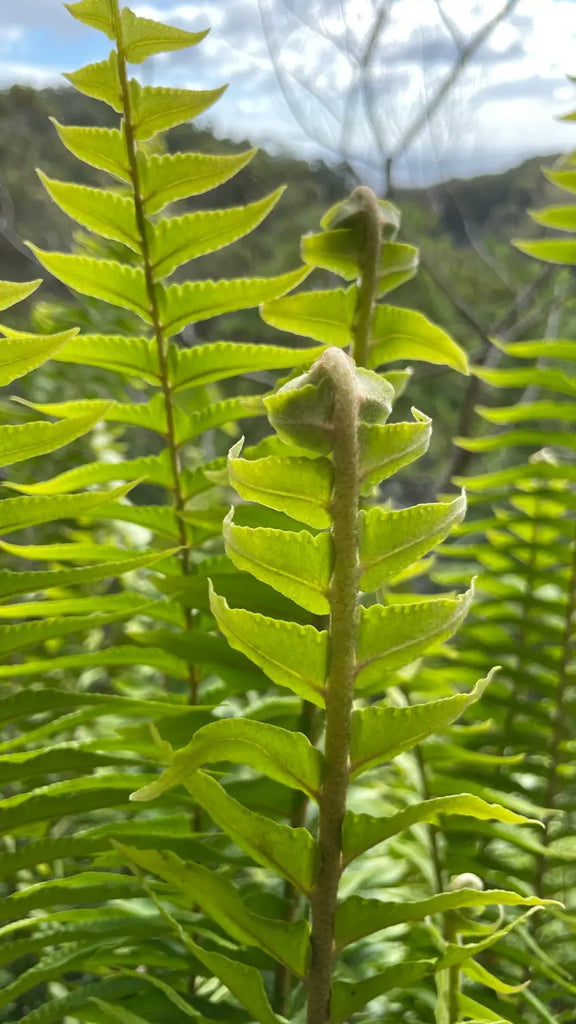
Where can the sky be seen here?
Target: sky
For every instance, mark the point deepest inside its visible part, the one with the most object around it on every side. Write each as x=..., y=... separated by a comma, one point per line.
x=294, y=82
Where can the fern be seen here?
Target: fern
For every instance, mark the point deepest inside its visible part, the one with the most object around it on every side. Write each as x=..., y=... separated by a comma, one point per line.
x=124, y=671
x=523, y=540
x=336, y=416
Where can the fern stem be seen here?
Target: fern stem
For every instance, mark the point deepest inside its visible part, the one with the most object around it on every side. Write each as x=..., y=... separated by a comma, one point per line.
x=368, y=283
x=340, y=687
x=159, y=335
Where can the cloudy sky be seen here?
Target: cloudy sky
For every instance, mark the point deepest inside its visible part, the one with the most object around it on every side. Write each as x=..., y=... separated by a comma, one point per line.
x=502, y=110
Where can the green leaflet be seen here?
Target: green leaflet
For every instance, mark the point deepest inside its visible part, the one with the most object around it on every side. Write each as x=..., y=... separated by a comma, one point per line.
x=296, y=564
x=292, y=655
x=31, y=439
x=68, y=552
x=357, y=916
x=553, y=349
x=244, y=982
x=391, y=540
x=455, y=954
x=150, y=415
x=404, y=334
x=286, y=943
x=20, y=353
x=527, y=438
x=564, y=179
x=542, y=377
x=291, y=852
x=152, y=468
x=182, y=304
x=108, y=280
x=386, y=449
x=476, y=972
x=33, y=701
x=12, y=583
x=156, y=108
x=391, y=636
x=18, y=513
x=381, y=733
x=324, y=316
x=133, y=357
x=542, y=409
x=339, y=251
x=100, y=81
x=219, y=360
x=12, y=292
x=155, y=658
x=49, y=969
x=51, y=1011
x=107, y=213
x=300, y=487
x=161, y=519
x=362, y=831
x=563, y=218
x=172, y=831
x=144, y=38
x=172, y=176
x=175, y=240
x=548, y=250
x=480, y=1014
x=350, y=997
x=96, y=13
x=55, y=801
x=103, y=148
x=93, y=886
x=27, y=634
x=61, y=758
x=287, y=757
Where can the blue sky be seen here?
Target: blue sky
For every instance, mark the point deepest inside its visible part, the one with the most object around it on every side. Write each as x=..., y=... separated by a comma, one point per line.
x=502, y=111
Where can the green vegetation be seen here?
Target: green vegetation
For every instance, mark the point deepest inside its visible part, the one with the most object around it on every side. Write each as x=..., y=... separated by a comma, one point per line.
x=245, y=778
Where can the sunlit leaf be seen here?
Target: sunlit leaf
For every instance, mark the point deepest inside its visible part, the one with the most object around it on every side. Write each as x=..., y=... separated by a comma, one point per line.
x=299, y=564
x=287, y=943
x=289, y=851
x=287, y=757
x=381, y=733
x=300, y=487
x=292, y=655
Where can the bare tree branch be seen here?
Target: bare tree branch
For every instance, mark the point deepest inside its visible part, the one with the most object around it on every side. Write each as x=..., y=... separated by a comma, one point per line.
x=445, y=87
x=451, y=27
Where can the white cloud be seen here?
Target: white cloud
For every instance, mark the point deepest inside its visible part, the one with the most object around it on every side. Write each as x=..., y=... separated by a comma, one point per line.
x=505, y=102
x=28, y=74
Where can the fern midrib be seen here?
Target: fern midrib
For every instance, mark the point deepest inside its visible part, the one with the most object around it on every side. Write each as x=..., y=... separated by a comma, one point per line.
x=141, y=222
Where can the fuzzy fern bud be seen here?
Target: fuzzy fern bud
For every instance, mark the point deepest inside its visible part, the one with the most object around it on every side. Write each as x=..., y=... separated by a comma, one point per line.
x=302, y=411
